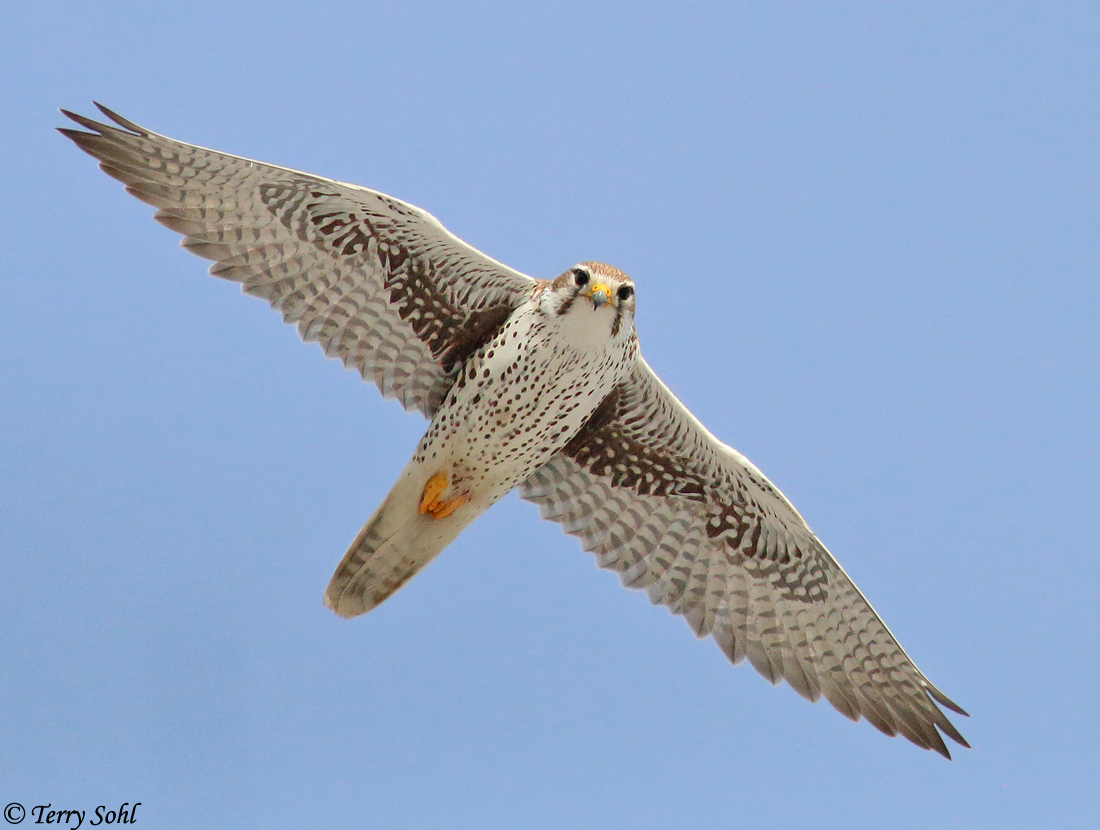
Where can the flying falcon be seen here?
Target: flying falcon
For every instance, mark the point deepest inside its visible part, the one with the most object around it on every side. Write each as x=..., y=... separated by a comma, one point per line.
x=536, y=384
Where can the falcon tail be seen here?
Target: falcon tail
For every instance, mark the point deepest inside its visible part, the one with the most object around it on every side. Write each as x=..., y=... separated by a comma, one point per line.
x=395, y=543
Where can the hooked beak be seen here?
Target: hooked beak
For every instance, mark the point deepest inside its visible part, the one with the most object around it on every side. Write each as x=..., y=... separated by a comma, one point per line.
x=599, y=294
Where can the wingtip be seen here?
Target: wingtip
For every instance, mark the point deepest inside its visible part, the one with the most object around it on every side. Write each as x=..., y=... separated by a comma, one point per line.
x=97, y=127
x=944, y=700
x=83, y=121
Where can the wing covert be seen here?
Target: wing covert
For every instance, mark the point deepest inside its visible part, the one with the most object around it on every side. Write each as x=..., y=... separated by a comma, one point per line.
x=691, y=521
x=378, y=283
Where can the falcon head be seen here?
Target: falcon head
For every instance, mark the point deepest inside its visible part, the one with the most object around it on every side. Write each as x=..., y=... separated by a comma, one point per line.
x=594, y=296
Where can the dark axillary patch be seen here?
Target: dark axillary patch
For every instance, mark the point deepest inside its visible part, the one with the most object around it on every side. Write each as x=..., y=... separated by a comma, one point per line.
x=606, y=447
x=412, y=292
x=322, y=217
x=476, y=330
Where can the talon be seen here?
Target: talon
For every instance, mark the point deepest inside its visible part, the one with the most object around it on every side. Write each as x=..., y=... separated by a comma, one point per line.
x=429, y=499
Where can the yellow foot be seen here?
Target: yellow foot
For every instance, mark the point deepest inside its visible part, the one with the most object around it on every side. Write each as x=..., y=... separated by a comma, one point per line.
x=429, y=500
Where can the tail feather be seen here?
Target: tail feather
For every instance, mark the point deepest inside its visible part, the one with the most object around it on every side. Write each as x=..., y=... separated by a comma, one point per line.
x=395, y=543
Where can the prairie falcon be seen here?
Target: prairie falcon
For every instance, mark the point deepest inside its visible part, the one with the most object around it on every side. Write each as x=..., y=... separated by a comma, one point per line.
x=536, y=384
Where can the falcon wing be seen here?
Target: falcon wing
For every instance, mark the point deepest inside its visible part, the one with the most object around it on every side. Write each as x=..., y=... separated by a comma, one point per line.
x=675, y=511
x=377, y=282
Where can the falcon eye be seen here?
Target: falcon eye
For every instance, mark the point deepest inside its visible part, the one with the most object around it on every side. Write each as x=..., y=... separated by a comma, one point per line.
x=580, y=278
x=624, y=293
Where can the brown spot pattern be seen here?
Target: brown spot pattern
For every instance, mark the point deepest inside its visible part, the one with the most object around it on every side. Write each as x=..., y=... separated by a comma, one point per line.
x=316, y=215
x=606, y=447
x=617, y=445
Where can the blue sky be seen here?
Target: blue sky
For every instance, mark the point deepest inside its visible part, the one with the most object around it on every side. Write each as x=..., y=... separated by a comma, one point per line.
x=865, y=241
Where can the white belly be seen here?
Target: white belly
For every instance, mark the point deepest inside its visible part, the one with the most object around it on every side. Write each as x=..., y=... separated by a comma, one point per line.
x=520, y=399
